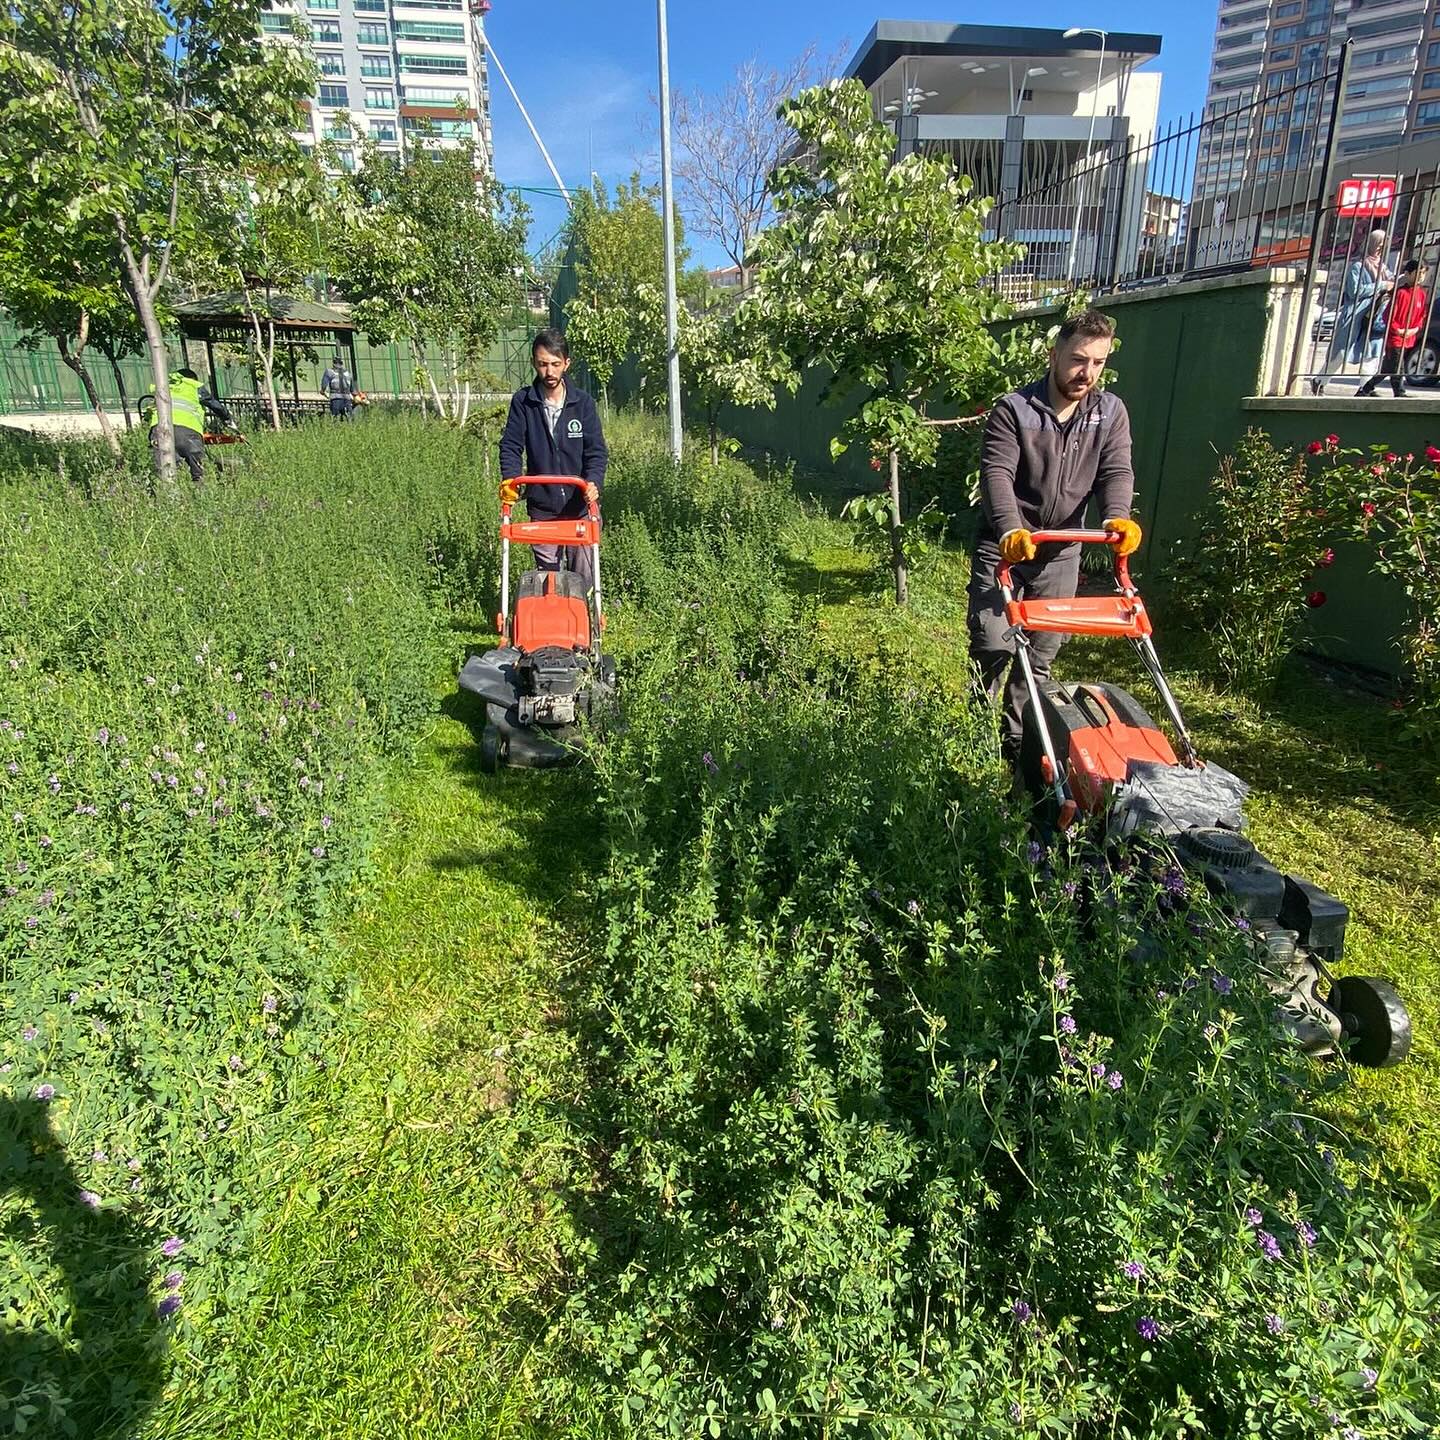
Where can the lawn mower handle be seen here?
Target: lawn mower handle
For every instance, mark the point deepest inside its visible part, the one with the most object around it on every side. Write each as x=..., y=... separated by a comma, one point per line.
x=1072, y=537
x=538, y=531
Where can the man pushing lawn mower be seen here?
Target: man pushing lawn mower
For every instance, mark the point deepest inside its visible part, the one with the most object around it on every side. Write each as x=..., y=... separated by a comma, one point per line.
x=554, y=429
x=1047, y=450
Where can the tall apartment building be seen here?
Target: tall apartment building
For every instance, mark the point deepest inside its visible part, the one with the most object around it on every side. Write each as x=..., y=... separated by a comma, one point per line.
x=390, y=67
x=1265, y=47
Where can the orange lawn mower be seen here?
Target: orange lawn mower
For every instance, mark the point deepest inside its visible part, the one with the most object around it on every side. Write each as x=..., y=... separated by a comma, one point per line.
x=549, y=674
x=1092, y=750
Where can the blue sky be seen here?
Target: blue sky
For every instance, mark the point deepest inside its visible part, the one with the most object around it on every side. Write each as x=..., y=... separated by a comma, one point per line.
x=587, y=71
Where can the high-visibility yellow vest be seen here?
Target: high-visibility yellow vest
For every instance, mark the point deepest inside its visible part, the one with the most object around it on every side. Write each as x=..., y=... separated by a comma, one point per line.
x=185, y=407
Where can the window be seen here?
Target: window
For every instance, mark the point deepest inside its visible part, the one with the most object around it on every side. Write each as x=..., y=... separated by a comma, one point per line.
x=433, y=95
x=1280, y=12
x=1280, y=57
x=382, y=130
x=1248, y=18
x=331, y=63
x=372, y=32
x=1233, y=62
x=1240, y=42
x=335, y=96
x=1391, y=25
x=433, y=64
x=1279, y=80
x=1318, y=26
x=430, y=30
x=441, y=129
x=322, y=4
x=337, y=129
x=1284, y=33
x=1359, y=89
x=325, y=32
x=1373, y=115
x=1432, y=53
x=375, y=7
x=1430, y=80
x=347, y=162
x=375, y=67
x=1427, y=114
x=379, y=99
x=428, y=4
x=277, y=24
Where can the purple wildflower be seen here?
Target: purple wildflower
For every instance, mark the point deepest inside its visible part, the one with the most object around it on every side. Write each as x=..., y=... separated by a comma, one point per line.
x=1021, y=1311
x=102, y=735
x=1016, y=1413
x=30, y=1032
x=231, y=717
x=1134, y=1270
x=1061, y=981
x=1274, y=1324
x=1305, y=1234
x=174, y=1280
x=1035, y=852
x=1098, y=1070
x=269, y=1004
x=90, y=1198
x=1351, y=1433
x=1071, y=889
x=13, y=768
x=1223, y=983
x=45, y=1092
x=912, y=907
x=1369, y=1377
x=236, y=1063
x=53, y=783
x=31, y=922
x=318, y=851
x=1211, y=1030
x=1269, y=1245
x=1067, y=1025
x=1162, y=995
x=1115, y=1080
x=168, y=1306
x=708, y=761
x=99, y=1157
x=1254, y=1218
x=1147, y=1328
x=1241, y=923
x=46, y=841
x=1174, y=881
x=326, y=822
x=173, y=1246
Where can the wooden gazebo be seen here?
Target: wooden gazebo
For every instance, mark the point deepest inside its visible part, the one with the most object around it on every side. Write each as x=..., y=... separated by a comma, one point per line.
x=225, y=319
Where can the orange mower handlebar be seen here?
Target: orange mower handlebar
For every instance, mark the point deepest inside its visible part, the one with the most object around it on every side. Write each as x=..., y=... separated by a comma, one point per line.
x=575, y=530
x=1121, y=615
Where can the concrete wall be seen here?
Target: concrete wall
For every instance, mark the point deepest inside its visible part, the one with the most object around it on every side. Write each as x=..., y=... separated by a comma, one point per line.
x=1193, y=357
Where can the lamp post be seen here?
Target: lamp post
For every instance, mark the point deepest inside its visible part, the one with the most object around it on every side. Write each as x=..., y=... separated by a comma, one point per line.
x=667, y=199
x=1070, y=34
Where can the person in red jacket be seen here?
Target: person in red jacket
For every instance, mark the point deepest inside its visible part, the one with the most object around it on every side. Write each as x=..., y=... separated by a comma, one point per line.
x=1409, y=306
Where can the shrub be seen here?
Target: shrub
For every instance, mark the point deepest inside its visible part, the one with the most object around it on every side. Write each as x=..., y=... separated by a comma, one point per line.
x=1246, y=579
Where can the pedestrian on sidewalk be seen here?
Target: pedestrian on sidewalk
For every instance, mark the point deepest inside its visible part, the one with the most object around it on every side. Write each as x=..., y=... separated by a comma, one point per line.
x=1367, y=282
x=1409, y=309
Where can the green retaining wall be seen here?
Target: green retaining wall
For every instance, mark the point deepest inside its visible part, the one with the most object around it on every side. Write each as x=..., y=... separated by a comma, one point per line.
x=1191, y=360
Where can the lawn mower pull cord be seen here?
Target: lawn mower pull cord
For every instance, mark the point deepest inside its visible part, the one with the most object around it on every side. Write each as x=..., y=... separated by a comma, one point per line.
x=1092, y=750
x=548, y=672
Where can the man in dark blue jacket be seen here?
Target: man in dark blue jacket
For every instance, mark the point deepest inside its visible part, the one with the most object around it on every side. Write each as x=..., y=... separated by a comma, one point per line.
x=554, y=429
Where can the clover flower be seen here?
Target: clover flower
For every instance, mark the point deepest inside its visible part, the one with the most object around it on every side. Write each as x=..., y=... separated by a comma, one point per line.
x=1148, y=1328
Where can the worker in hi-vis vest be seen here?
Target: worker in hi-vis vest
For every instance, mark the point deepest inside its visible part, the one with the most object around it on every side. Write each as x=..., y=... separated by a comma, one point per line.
x=190, y=402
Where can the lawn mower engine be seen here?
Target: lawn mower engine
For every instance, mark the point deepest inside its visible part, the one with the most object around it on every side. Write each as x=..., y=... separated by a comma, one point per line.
x=1121, y=767
x=1092, y=750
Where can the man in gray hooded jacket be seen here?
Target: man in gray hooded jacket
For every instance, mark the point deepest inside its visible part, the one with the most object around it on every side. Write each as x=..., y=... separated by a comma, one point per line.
x=1047, y=450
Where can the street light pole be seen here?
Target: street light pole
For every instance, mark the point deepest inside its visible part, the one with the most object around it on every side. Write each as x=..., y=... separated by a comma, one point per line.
x=667, y=199
x=1089, y=140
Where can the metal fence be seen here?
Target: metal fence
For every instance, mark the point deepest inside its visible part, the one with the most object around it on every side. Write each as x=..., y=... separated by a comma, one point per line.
x=1235, y=189
x=1366, y=233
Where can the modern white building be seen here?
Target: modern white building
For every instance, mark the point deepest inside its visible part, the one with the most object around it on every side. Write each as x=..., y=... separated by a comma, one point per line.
x=1031, y=115
x=392, y=68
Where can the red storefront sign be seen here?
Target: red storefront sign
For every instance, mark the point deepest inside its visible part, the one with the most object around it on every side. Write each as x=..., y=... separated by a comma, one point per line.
x=1367, y=195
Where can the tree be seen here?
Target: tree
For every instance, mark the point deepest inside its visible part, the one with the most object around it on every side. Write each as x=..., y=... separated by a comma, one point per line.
x=65, y=289
x=618, y=310
x=432, y=251
x=728, y=144
x=879, y=269
x=115, y=109
x=719, y=363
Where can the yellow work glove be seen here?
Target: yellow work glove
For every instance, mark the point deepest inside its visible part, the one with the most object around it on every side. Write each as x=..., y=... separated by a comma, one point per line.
x=1017, y=546
x=509, y=492
x=1129, y=533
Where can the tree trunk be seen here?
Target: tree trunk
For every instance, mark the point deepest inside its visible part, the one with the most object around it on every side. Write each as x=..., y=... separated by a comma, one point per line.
x=120, y=390
x=269, y=360
x=159, y=357
x=714, y=440
x=75, y=359
x=897, y=548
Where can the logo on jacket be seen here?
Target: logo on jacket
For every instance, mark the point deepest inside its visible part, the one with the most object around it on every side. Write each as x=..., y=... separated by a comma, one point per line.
x=575, y=429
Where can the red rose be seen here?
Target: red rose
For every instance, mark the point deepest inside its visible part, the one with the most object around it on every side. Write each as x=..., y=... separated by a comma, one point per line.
x=875, y=463
x=1408, y=457
x=1326, y=560
x=1315, y=599
x=1432, y=453
x=1368, y=509
x=1332, y=441
x=1315, y=447
x=1391, y=457
x=1377, y=469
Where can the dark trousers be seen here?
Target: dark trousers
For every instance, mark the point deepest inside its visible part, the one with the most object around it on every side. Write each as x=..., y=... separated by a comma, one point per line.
x=189, y=447
x=580, y=560
x=1396, y=365
x=341, y=406
x=1053, y=575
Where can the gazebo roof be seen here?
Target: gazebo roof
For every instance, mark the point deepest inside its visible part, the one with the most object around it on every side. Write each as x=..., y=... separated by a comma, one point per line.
x=226, y=317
